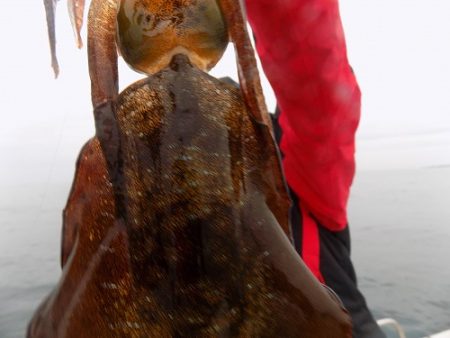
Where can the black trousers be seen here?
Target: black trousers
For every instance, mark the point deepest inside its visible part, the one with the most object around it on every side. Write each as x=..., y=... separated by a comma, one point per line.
x=336, y=267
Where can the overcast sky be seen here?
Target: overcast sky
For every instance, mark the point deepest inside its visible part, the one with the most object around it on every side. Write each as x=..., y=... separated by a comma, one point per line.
x=398, y=48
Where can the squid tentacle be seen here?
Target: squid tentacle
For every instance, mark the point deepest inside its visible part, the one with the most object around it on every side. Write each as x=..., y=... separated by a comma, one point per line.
x=76, y=13
x=250, y=82
x=50, y=9
x=102, y=51
x=246, y=61
x=103, y=71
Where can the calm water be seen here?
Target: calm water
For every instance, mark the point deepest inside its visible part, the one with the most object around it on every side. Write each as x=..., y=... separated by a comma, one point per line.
x=401, y=246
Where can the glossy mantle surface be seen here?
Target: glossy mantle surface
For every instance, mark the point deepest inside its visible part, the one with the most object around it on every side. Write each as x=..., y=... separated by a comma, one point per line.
x=198, y=250
x=177, y=221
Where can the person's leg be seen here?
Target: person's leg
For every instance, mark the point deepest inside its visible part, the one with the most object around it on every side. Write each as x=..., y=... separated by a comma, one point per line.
x=327, y=254
x=331, y=262
x=339, y=274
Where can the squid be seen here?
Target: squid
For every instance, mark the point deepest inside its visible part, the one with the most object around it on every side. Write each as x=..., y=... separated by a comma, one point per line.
x=177, y=221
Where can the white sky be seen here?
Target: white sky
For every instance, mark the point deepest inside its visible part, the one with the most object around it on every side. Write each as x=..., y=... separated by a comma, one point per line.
x=400, y=50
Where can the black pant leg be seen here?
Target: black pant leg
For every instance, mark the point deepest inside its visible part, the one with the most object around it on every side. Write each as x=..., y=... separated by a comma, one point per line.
x=336, y=266
x=339, y=274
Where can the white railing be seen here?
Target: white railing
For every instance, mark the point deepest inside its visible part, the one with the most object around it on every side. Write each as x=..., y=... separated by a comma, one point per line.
x=443, y=334
x=393, y=323
x=401, y=333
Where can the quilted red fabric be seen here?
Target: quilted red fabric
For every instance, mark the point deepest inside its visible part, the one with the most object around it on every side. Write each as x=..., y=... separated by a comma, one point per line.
x=303, y=52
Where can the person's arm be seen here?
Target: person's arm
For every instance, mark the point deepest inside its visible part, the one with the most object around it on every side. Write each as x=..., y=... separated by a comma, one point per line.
x=302, y=49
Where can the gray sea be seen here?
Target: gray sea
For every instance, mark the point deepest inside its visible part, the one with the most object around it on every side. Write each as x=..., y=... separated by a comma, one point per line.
x=401, y=245
x=400, y=223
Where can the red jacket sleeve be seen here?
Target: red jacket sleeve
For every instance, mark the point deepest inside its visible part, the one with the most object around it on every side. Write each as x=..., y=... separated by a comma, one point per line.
x=302, y=49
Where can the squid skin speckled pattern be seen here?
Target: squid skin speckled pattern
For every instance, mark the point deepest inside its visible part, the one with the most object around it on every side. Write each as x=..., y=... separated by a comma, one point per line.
x=176, y=224
x=200, y=252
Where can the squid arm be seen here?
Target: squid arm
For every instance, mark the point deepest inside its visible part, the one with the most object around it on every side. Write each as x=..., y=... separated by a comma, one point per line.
x=101, y=44
x=102, y=57
x=246, y=61
x=102, y=51
x=76, y=13
x=233, y=11
x=103, y=71
x=50, y=9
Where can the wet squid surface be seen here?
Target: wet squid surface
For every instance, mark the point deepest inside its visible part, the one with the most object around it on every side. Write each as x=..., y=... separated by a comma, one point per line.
x=197, y=249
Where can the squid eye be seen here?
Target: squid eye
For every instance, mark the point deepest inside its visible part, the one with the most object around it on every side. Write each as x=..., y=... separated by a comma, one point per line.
x=150, y=33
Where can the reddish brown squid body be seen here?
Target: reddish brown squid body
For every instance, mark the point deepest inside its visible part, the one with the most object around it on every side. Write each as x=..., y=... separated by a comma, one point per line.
x=176, y=225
